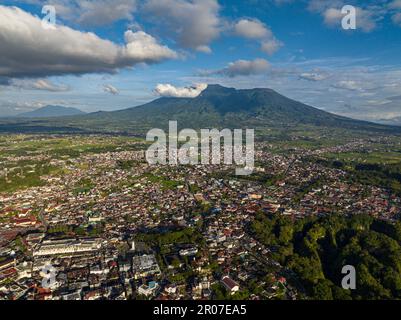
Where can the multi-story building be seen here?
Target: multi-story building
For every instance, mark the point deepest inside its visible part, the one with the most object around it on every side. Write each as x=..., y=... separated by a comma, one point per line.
x=68, y=247
x=145, y=265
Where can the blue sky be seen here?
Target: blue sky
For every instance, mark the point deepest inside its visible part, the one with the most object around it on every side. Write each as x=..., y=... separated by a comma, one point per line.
x=295, y=47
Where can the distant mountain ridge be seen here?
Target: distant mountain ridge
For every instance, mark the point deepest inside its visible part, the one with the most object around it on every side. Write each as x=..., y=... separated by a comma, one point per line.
x=51, y=112
x=396, y=121
x=215, y=107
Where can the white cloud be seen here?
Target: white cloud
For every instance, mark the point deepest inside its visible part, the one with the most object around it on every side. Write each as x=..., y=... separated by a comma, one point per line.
x=313, y=76
x=241, y=68
x=246, y=68
x=271, y=46
x=38, y=84
x=142, y=47
x=255, y=29
x=368, y=13
x=252, y=29
x=195, y=24
x=91, y=12
x=395, y=11
x=365, y=19
x=110, y=89
x=104, y=12
x=204, y=49
x=9, y=108
x=332, y=16
x=168, y=90
x=28, y=50
x=323, y=5
x=350, y=85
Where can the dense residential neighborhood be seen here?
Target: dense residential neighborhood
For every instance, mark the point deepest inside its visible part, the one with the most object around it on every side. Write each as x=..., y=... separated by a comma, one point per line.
x=111, y=226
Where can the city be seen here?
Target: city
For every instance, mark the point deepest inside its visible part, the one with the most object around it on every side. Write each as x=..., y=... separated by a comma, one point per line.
x=111, y=226
x=199, y=158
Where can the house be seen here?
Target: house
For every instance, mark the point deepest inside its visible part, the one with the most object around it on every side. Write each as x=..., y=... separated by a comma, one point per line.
x=8, y=263
x=25, y=222
x=170, y=289
x=230, y=284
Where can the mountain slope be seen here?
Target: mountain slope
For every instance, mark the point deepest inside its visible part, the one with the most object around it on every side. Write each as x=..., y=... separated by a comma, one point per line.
x=219, y=107
x=215, y=107
x=51, y=112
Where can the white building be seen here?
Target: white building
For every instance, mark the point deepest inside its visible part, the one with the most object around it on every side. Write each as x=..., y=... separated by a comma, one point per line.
x=68, y=247
x=148, y=290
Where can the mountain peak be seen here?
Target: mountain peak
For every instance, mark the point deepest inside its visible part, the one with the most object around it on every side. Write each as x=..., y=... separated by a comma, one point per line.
x=220, y=107
x=216, y=89
x=51, y=112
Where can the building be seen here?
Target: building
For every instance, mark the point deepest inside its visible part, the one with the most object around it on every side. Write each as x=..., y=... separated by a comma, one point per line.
x=145, y=265
x=148, y=290
x=230, y=284
x=188, y=251
x=68, y=247
x=8, y=263
x=34, y=238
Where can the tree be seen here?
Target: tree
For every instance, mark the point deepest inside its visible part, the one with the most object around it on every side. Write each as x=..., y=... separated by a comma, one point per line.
x=341, y=294
x=322, y=290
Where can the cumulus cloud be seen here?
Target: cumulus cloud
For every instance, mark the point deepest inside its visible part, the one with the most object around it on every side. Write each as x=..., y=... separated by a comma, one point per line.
x=195, y=24
x=28, y=50
x=332, y=16
x=240, y=68
x=255, y=29
x=142, y=47
x=168, y=90
x=365, y=19
x=252, y=29
x=110, y=89
x=368, y=13
x=271, y=46
x=104, y=12
x=91, y=12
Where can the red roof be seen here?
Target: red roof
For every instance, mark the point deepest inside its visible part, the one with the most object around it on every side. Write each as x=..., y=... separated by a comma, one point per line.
x=24, y=220
x=8, y=272
x=282, y=280
x=229, y=283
